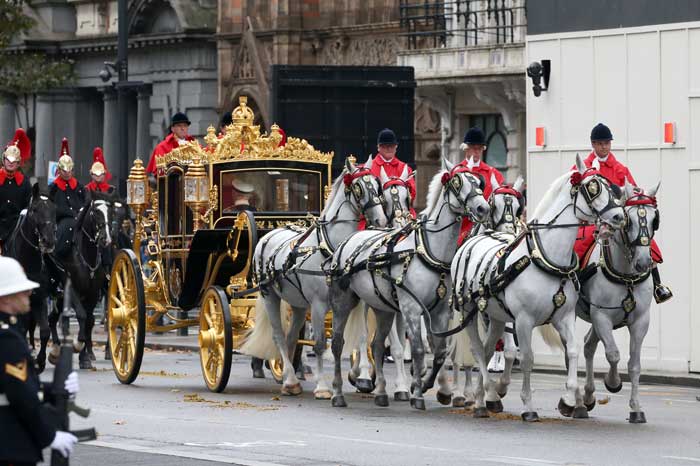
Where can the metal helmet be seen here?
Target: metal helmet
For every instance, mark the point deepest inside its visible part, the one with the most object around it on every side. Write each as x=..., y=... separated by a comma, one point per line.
x=65, y=162
x=97, y=169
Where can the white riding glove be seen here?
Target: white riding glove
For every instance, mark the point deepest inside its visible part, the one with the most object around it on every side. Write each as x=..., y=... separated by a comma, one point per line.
x=63, y=442
x=72, y=386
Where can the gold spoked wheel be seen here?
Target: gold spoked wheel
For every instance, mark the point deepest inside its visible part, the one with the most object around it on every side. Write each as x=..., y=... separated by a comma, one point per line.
x=126, y=316
x=215, y=338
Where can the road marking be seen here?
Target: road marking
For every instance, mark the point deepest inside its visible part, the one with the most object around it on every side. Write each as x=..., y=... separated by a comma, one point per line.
x=198, y=456
x=683, y=458
x=519, y=461
x=674, y=400
x=256, y=443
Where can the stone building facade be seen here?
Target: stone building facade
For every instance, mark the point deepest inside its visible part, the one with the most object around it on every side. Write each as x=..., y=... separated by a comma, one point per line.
x=171, y=51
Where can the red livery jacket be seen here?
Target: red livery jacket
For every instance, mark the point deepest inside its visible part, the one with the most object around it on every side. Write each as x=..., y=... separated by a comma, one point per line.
x=163, y=147
x=392, y=168
x=484, y=170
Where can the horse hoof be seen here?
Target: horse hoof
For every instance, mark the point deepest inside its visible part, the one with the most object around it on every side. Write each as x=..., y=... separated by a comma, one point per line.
x=481, y=413
x=85, y=364
x=530, y=416
x=401, y=396
x=580, y=412
x=291, y=390
x=494, y=406
x=459, y=402
x=637, y=417
x=323, y=395
x=364, y=385
x=381, y=400
x=444, y=398
x=352, y=379
x=564, y=409
x=258, y=374
x=612, y=389
x=418, y=403
x=339, y=402
x=590, y=406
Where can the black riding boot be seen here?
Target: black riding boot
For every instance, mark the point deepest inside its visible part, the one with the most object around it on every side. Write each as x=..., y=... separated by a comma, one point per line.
x=257, y=365
x=662, y=293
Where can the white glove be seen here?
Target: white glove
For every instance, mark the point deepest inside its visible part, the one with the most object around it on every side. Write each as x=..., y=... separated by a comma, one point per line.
x=63, y=442
x=72, y=386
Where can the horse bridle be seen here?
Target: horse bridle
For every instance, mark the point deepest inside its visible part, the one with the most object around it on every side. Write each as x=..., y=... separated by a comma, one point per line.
x=508, y=215
x=391, y=185
x=99, y=226
x=357, y=183
x=452, y=183
x=39, y=246
x=591, y=190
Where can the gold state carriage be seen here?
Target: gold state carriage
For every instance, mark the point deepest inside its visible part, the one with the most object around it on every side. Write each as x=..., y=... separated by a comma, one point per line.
x=194, y=240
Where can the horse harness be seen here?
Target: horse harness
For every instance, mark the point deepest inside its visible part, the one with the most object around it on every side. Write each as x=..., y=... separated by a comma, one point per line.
x=494, y=279
x=266, y=275
x=605, y=263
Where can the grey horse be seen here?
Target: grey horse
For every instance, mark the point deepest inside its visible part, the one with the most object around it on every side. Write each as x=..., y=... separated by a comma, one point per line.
x=405, y=271
x=288, y=266
x=531, y=281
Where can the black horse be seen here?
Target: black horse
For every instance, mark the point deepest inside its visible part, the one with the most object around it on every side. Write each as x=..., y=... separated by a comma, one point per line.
x=33, y=237
x=84, y=265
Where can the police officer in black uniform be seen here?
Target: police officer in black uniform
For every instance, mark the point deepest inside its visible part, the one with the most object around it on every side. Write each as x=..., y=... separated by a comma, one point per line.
x=69, y=196
x=15, y=191
x=26, y=422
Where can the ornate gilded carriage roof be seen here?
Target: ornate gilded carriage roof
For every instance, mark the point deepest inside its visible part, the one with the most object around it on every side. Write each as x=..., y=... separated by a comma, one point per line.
x=243, y=141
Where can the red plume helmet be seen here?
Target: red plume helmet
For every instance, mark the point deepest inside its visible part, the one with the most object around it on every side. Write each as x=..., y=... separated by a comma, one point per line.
x=65, y=162
x=20, y=147
x=98, y=156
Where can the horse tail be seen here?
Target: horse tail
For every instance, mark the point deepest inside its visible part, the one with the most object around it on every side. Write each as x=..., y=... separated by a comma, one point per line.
x=356, y=329
x=258, y=341
x=551, y=337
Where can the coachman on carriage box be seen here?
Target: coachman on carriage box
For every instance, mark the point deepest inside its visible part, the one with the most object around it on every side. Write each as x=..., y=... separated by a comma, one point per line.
x=15, y=191
x=615, y=172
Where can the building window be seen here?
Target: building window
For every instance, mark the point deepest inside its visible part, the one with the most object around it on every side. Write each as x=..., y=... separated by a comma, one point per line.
x=496, y=153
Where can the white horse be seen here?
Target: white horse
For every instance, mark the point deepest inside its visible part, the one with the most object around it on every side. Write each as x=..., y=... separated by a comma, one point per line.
x=495, y=277
x=405, y=271
x=361, y=374
x=619, y=294
x=288, y=265
x=507, y=204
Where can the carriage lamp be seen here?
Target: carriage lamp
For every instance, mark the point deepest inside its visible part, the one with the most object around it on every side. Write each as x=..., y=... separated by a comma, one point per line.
x=136, y=196
x=197, y=190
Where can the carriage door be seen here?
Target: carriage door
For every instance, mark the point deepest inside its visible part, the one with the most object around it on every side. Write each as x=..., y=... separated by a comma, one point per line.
x=173, y=241
x=694, y=226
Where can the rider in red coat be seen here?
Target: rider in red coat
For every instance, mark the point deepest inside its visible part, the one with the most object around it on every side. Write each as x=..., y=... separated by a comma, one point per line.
x=616, y=172
x=474, y=146
x=387, y=144
x=179, y=126
x=99, y=174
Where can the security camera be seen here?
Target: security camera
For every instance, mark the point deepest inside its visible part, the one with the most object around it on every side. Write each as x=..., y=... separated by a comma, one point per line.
x=105, y=75
x=539, y=73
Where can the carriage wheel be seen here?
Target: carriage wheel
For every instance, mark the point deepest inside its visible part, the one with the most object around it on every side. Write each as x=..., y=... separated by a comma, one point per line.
x=126, y=311
x=215, y=338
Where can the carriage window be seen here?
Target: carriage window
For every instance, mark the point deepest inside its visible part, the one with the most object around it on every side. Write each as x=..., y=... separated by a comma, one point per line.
x=270, y=190
x=174, y=203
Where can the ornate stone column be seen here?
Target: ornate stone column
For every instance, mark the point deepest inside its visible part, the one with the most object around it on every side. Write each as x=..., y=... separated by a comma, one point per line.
x=110, y=133
x=144, y=141
x=8, y=113
x=44, y=142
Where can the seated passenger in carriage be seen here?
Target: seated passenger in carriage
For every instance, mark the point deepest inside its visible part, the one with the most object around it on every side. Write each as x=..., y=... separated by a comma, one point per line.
x=15, y=190
x=474, y=147
x=615, y=172
x=68, y=195
x=242, y=195
x=387, y=143
x=99, y=174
